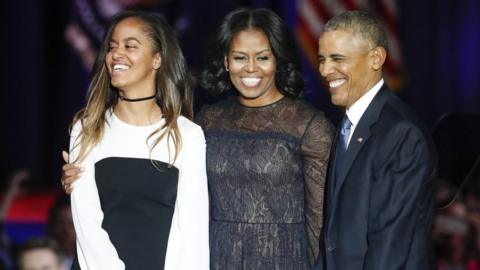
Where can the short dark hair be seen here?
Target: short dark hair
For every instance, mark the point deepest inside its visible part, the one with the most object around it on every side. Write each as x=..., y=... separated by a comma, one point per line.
x=361, y=23
x=41, y=243
x=288, y=75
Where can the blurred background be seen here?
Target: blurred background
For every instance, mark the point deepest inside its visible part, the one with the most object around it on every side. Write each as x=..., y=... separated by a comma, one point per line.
x=49, y=48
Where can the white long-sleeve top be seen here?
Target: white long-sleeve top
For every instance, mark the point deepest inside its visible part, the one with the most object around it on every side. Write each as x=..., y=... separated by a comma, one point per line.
x=188, y=246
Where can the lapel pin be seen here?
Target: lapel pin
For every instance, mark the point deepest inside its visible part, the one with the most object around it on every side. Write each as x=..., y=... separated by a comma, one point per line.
x=360, y=140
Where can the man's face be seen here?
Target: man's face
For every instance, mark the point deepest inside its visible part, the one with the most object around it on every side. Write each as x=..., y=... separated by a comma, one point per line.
x=40, y=259
x=346, y=62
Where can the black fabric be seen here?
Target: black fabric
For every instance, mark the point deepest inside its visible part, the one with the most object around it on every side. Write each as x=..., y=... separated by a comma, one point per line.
x=138, y=201
x=266, y=168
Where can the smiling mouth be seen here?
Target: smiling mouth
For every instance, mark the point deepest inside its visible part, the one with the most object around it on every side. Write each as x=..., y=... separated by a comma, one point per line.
x=120, y=67
x=336, y=83
x=250, y=81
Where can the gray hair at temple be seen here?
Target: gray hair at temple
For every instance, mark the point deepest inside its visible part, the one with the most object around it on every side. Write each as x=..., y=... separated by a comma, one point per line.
x=362, y=24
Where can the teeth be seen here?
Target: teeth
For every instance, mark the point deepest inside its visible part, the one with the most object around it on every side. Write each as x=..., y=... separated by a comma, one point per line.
x=251, y=81
x=120, y=67
x=336, y=83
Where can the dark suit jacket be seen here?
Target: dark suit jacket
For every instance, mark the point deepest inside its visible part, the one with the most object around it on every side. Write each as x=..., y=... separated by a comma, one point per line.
x=379, y=215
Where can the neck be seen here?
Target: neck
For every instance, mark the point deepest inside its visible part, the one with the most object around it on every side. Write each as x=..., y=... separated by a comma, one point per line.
x=136, y=99
x=142, y=113
x=261, y=101
x=137, y=93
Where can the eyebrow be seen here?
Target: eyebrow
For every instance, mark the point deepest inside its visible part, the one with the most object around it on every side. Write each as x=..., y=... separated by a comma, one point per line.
x=335, y=55
x=126, y=40
x=260, y=52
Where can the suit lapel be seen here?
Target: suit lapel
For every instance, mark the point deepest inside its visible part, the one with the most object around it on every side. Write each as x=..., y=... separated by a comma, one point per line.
x=360, y=136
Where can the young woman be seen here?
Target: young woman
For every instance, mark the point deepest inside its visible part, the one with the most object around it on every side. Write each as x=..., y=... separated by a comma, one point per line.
x=142, y=200
x=267, y=149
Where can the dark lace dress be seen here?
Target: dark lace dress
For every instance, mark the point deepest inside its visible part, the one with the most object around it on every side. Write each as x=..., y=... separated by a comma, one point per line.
x=266, y=169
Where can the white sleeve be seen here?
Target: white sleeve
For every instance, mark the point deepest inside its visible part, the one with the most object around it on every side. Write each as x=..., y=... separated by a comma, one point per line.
x=188, y=244
x=94, y=249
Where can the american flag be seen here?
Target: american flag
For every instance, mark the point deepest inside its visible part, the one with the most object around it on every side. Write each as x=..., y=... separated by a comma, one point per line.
x=313, y=14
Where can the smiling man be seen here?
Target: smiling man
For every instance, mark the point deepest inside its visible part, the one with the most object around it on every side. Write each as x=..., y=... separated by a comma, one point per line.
x=383, y=163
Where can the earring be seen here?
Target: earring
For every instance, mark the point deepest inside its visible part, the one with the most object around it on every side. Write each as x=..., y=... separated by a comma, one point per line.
x=226, y=68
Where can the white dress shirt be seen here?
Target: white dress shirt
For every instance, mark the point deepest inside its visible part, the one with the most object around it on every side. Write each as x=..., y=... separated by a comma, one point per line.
x=355, y=112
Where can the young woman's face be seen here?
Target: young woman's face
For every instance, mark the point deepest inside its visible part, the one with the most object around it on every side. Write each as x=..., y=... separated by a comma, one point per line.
x=130, y=60
x=252, y=67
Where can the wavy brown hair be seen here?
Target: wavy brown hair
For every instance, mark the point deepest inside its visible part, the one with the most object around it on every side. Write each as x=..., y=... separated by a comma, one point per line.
x=173, y=85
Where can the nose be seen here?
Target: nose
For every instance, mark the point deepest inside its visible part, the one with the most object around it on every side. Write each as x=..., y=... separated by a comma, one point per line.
x=117, y=53
x=251, y=65
x=325, y=68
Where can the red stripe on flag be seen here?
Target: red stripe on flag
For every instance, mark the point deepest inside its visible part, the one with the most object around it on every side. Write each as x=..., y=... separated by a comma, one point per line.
x=32, y=207
x=312, y=39
x=350, y=4
x=390, y=65
x=308, y=42
x=320, y=10
x=388, y=17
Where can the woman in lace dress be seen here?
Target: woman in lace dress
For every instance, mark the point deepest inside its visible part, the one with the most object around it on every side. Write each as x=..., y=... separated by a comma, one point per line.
x=267, y=149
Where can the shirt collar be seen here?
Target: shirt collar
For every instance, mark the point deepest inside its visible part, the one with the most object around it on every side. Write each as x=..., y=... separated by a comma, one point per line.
x=360, y=106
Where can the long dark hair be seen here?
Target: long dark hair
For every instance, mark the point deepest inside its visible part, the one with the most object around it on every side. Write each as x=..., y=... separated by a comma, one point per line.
x=172, y=83
x=288, y=75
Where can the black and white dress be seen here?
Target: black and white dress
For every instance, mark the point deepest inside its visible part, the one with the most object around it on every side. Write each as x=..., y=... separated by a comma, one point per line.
x=132, y=210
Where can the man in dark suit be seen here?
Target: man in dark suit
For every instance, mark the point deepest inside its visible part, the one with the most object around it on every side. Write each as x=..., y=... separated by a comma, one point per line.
x=383, y=163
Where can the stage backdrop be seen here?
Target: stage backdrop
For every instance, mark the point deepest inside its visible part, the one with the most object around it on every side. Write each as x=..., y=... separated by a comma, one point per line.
x=48, y=49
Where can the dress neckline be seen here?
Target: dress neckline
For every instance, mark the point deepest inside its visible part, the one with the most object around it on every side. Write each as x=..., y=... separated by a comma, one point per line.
x=273, y=104
x=123, y=123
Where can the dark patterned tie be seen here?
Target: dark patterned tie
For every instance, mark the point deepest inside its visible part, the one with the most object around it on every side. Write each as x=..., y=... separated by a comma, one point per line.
x=341, y=148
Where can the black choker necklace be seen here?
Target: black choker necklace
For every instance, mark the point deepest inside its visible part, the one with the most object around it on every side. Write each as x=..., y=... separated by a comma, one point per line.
x=136, y=99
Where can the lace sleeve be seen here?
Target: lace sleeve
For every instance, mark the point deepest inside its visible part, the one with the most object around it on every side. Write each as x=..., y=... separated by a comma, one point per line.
x=316, y=144
x=199, y=119
x=206, y=116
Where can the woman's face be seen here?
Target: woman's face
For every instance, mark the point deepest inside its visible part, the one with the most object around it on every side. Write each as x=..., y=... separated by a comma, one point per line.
x=252, y=67
x=130, y=60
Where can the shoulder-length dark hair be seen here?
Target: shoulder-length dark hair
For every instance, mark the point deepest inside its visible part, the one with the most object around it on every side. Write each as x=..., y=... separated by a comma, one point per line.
x=172, y=84
x=288, y=75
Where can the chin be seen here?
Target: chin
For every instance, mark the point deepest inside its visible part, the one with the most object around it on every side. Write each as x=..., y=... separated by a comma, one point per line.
x=249, y=94
x=338, y=103
x=117, y=84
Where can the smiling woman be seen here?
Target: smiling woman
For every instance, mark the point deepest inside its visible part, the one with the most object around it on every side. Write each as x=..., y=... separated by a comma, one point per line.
x=142, y=200
x=131, y=61
x=252, y=68
x=267, y=149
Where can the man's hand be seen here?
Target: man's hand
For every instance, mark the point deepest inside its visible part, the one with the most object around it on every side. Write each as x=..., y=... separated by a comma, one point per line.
x=70, y=173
